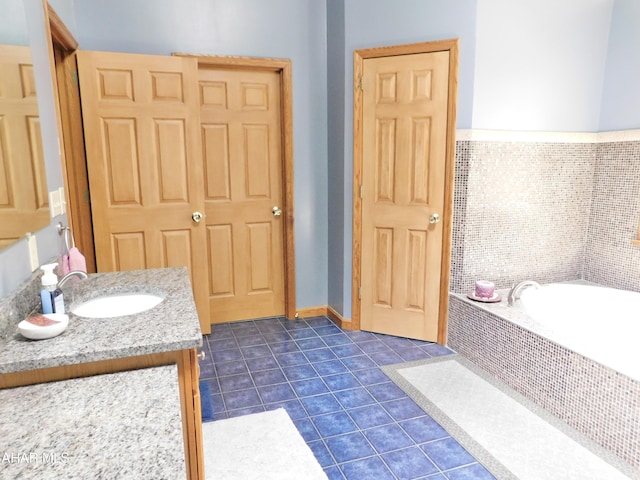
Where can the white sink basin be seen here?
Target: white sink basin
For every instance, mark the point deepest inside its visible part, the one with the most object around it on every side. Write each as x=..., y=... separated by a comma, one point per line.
x=117, y=305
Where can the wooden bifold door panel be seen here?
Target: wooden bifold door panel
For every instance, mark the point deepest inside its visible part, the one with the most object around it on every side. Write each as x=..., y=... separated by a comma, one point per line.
x=144, y=164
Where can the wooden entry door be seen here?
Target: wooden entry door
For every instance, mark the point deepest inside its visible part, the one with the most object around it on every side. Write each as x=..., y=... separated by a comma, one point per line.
x=140, y=115
x=405, y=207
x=241, y=131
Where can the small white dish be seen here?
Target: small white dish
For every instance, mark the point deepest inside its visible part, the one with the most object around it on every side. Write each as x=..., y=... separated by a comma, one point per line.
x=57, y=323
x=496, y=298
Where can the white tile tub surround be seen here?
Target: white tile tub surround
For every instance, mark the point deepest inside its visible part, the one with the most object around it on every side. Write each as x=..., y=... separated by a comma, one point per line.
x=549, y=206
x=521, y=211
x=610, y=257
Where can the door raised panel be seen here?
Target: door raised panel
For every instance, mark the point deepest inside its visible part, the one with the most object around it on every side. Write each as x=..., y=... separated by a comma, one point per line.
x=129, y=251
x=386, y=164
x=260, y=257
x=176, y=248
x=383, y=266
x=121, y=160
x=421, y=85
x=213, y=94
x=172, y=163
x=115, y=84
x=221, y=278
x=419, y=175
x=387, y=87
x=28, y=81
x=416, y=269
x=37, y=162
x=255, y=96
x=215, y=150
x=6, y=187
x=167, y=86
x=257, y=161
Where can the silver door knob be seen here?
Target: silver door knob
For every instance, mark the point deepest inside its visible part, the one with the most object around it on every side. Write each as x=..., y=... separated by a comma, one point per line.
x=434, y=218
x=276, y=211
x=197, y=216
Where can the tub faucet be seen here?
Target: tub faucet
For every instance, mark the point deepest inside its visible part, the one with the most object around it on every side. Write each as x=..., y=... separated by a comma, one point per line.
x=515, y=290
x=73, y=273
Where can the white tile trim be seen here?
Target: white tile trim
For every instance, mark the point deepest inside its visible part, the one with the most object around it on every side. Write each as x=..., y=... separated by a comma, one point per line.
x=547, y=137
x=619, y=136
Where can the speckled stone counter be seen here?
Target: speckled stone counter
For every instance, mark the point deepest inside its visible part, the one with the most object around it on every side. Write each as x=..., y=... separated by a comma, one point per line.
x=113, y=426
x=172, y=325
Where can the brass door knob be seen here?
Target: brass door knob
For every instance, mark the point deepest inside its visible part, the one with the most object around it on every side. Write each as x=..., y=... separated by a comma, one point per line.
x=277, y=211
x=197, y=216
x=434, y=218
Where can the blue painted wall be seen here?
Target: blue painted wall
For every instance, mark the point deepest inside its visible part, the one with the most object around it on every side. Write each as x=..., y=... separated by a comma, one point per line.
x=620, y=108
x=13, y=23
x=337, y=186
x=540, y=65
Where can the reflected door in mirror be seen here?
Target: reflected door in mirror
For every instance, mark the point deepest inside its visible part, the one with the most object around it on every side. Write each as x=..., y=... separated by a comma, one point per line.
x=23, y=190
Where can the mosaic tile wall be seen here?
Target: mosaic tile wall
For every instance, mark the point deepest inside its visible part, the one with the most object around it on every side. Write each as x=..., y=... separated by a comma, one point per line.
x=595, y=400
x=611, y=259
x=521, y=211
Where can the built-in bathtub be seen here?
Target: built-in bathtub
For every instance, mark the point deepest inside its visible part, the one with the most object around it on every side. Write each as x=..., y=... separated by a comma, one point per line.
x=591, y=382
x=601, y=323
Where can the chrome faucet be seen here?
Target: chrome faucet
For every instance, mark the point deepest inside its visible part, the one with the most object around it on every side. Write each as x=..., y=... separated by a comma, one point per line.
x=73, y=273
x=515, y=290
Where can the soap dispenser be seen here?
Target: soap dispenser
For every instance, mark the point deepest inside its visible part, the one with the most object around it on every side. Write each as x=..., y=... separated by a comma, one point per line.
x=51, y=295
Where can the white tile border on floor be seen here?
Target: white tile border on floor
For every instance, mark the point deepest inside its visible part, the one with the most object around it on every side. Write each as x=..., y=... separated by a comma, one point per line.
x=598, y=455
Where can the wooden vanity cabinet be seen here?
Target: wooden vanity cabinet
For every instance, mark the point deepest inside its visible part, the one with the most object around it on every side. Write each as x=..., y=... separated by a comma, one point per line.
x=191, y=413
x=188, y=379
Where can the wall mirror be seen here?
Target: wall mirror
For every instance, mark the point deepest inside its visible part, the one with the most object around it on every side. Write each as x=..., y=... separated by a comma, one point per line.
x=24, y=203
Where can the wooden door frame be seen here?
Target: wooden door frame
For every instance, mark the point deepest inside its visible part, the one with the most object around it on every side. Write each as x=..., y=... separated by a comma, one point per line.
x=359, y=56
x=62, y=50
x=283, y=68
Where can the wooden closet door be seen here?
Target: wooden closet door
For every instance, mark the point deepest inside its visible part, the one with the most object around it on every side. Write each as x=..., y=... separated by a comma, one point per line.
x=141, y=124
x=242, y=146
x=405, y=102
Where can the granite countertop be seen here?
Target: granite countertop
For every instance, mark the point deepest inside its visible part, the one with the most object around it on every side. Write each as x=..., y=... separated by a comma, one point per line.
x=112, y=426
x=172, y=325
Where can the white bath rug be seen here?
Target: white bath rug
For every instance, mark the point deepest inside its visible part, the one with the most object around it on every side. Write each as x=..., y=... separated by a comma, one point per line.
x=510, y=435
x=261, y=446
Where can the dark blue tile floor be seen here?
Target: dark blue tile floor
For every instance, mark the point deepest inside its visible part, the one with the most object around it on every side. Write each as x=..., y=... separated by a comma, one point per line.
x=358, y=423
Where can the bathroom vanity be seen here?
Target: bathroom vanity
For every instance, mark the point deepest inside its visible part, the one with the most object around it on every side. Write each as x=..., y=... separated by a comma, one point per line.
x=123, y=384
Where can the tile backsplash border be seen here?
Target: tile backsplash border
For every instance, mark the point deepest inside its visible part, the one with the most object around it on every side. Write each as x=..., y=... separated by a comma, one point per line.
x=547, y=137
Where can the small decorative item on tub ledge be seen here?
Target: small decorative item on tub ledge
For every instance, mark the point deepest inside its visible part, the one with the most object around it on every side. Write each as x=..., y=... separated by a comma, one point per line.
x=485, y=291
